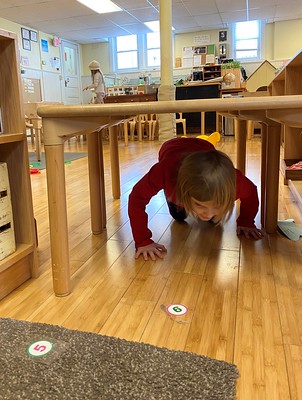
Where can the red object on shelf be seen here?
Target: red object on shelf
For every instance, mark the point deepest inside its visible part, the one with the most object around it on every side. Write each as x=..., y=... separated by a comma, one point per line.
x=297, y=165
x=34, y=171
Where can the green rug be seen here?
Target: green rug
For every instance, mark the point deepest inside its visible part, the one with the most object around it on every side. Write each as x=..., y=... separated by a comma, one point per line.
x=48, y=362
x=68, y=157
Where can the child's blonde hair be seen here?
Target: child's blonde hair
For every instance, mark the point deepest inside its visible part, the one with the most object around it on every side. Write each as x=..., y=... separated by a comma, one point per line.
x=207, y=176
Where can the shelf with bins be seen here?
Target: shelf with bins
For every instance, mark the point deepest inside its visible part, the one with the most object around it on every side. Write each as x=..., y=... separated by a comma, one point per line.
x=21, y=264
x=289, y=82
x=211, y=72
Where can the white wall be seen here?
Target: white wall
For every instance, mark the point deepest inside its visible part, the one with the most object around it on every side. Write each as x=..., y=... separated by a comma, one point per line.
x=37, y=64
x=282, y=41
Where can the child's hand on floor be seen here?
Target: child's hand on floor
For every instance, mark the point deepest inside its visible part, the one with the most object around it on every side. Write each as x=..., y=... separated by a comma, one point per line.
x=152, y=250
x=253, y=233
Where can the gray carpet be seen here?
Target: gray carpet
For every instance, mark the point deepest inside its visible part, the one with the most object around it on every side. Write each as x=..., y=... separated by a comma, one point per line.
x=87, y=366
x=68, y=157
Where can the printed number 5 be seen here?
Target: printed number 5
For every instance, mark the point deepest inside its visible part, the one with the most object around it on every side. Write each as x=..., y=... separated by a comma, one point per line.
x=40, y=348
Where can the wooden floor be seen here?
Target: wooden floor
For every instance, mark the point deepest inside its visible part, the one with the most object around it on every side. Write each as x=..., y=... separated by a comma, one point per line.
x=244, y=297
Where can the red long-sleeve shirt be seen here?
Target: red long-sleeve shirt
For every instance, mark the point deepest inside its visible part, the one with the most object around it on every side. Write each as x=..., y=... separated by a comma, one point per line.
x=163, y=175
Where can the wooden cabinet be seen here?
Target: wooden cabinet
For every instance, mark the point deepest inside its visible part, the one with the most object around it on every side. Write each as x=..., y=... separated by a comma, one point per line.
x=19, y=266
x=198, y=91
x=289, y=82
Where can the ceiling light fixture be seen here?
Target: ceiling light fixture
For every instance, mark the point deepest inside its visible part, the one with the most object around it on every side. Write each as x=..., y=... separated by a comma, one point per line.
x=247, y=10
x=154, y=26
x=101, y=6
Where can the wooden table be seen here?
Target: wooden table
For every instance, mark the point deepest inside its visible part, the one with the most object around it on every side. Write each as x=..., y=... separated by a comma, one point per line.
x=30, y=109
x=199, y=122
x=61, y=122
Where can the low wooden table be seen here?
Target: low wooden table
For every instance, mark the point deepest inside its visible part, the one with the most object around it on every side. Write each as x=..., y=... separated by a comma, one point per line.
x=30, y=109
x=62, y=122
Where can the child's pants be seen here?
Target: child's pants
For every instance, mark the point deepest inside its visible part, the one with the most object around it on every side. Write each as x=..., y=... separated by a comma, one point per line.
x=177, y=212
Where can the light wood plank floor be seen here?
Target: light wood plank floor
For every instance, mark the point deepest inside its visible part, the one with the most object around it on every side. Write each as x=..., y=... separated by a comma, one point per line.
x=244, y=297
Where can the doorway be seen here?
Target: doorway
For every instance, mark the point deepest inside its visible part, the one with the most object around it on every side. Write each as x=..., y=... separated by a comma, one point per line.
x=70, y=73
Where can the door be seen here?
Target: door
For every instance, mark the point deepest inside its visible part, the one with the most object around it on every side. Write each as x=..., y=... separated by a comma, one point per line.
x=71, y=73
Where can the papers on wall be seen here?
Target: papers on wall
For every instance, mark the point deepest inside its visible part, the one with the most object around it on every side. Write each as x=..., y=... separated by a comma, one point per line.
x=210, y=59
x=187, y=62
x=199, y=59
x=195, y=56
x=201, y=39
x=187, y=52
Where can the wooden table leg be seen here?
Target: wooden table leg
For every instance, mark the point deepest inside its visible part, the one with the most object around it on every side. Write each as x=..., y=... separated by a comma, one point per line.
x=125, y=127
x=250, y=129
x=240, y=135
x=263, y=171
x=202, y=122
x=218, y=122
x=139, y=128
x=272, y=178
x=55, y=172
x=114, y=159
x=96, y=182
x=37, y=127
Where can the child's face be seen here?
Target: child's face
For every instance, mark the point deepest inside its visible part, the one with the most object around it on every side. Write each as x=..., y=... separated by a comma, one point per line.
x=205, y=210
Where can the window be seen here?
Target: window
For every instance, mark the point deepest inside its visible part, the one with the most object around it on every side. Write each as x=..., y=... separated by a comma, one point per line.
x=153, y=49
x=135, y=52
x=126, y=50
x=247, y=37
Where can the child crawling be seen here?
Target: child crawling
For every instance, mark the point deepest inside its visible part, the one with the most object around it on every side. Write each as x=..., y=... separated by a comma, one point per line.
x=198, y=180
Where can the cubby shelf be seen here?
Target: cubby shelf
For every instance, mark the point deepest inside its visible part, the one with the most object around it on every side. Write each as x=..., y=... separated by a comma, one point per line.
x=289, y=82
x=21, y=265
x=211, y=72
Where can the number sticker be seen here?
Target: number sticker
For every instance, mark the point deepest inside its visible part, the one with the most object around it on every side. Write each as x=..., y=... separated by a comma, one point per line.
x=39, y=348
x=177, y=309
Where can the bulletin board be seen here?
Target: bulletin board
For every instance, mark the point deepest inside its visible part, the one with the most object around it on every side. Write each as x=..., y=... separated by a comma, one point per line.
x=31, y=90
x=194, y=56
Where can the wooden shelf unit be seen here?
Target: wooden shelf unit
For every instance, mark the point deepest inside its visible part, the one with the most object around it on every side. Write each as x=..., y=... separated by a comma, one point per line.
x=262, y=76
x=211, y=72
x=289, y=82
x=22, y=264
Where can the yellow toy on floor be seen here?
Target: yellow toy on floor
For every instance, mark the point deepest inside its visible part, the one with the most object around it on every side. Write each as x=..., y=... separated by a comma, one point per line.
x=213, y=138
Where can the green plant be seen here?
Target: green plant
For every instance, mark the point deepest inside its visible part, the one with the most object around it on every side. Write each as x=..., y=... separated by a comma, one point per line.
x=231, y=64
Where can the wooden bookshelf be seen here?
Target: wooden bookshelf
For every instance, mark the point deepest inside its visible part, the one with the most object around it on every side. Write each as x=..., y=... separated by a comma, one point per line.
x=21, y=264
x=289, y=82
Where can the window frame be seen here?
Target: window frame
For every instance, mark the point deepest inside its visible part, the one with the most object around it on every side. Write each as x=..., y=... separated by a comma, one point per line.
x=147, y=49
x=114, y=55
x=259, y=39
x=142, y=55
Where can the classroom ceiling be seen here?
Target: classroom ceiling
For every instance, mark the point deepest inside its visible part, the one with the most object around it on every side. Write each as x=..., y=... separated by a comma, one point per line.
x=71, y=20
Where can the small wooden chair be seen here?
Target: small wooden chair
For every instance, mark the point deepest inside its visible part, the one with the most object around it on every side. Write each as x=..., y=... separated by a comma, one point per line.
x=151, y=124
x=30, y=127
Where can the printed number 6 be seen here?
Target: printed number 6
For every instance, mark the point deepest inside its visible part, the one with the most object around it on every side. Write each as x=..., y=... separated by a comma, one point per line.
x=177, y=309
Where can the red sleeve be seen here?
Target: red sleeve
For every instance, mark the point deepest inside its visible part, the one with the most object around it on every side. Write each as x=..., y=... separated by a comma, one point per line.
x=249, y=202
x=140, y=196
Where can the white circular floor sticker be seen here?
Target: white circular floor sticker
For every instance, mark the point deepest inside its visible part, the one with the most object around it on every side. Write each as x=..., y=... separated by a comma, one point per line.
x=39, y=348
x=177, y=309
